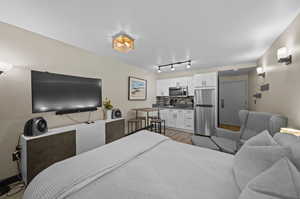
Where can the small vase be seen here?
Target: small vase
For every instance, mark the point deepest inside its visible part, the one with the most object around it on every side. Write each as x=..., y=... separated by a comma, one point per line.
x=108, y=114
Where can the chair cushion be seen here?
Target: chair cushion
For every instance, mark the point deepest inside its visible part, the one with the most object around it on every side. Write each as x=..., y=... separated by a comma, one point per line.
x=282, y=180
x=227, y=145
x=203, y=141
x=256, y=155
x=293, y=142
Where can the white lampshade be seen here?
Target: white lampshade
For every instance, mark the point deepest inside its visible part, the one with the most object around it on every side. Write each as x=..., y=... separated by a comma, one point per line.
x=4, y=67
x=282, y=53
x=259, y=70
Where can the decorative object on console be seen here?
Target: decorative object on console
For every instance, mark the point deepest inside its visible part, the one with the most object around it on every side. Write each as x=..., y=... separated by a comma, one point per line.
x=137, y=89
x=116, y=113
x=122, y=42
x=284, y=56
x=4, y=67
x=108, y=108
x=35, y=126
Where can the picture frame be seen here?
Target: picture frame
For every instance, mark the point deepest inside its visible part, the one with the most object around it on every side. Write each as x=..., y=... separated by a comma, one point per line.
x=137, y=89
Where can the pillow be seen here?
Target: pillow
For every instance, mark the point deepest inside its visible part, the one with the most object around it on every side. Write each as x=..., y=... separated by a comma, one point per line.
x=293, y=142
x=262, y=139
x=251, y=159
x=282, y=180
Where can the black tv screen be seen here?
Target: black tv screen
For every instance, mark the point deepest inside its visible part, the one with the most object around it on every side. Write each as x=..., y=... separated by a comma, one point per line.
x=64, y=93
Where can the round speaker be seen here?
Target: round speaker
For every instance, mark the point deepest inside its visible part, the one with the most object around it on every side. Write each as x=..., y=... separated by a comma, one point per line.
x=35, y=126
x=116, y=113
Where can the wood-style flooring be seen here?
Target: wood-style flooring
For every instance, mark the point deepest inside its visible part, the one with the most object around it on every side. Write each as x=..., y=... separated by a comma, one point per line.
x=230, y=127
x=179, y=136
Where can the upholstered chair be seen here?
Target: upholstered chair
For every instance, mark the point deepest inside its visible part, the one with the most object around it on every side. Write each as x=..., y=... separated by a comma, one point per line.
x=252, y=123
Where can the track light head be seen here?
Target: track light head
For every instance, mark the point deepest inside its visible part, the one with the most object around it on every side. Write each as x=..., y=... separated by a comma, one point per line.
x=172, y=68
x=189, y=65
x=159, y=71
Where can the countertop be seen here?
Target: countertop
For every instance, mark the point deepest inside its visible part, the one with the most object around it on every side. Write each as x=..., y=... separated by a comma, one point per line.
x=182, y=107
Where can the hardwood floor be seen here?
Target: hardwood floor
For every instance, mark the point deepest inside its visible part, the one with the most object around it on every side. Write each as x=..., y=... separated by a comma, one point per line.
x=179, y=136
x=230, y=127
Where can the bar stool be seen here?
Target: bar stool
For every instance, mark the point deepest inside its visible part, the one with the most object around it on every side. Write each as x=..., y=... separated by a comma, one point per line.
x=157, y=125
x=134, y=125
x=143, y=120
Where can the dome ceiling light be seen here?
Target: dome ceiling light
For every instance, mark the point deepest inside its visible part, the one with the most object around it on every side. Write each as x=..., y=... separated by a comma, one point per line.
x=122, y=42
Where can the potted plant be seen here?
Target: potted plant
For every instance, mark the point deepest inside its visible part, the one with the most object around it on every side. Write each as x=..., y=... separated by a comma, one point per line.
x=108, y=107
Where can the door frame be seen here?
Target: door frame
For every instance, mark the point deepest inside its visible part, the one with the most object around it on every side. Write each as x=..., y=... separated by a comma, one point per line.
x=219, y=96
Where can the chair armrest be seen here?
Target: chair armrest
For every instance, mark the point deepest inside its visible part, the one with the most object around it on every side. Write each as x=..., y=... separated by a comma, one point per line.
x=233, y=135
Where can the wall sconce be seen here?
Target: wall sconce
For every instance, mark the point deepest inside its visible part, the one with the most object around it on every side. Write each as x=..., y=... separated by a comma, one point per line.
x=260, y=72
x=283, y=56
x=4, y=67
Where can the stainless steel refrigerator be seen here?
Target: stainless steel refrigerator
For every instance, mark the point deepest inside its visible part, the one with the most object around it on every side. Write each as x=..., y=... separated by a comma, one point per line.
x=205, y=106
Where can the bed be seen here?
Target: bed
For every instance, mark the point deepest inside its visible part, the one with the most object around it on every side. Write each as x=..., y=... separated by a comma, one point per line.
x=144, y=165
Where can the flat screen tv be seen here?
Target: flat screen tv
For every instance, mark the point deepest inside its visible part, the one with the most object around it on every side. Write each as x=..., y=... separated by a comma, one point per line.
x=64, y=94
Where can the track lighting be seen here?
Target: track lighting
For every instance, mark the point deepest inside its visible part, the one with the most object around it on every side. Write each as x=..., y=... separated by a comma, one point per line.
x=173, y=64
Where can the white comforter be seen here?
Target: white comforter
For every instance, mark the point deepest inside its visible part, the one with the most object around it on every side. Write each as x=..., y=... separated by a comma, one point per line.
x=141, y=166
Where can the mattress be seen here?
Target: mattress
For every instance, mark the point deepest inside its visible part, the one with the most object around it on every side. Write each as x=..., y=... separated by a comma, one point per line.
x=143, y=165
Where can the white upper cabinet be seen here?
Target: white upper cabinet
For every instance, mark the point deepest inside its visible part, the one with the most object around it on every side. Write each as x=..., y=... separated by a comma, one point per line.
x=162, y=87
x=190, y=85
x=205, y=80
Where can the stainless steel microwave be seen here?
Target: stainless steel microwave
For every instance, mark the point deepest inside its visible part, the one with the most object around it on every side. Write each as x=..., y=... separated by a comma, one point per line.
x=178, y=91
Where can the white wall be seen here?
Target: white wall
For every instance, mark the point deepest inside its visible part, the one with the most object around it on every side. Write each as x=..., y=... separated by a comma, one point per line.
x=284, y=94
x=27, y=51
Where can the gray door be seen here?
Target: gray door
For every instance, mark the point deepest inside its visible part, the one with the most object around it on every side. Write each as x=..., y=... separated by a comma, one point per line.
x=233, y=98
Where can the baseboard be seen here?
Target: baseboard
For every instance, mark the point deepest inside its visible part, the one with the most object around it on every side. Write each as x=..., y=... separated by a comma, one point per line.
x=10, y=180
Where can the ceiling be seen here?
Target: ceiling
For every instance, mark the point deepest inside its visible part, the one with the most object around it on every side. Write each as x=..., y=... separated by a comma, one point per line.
x=210, y=32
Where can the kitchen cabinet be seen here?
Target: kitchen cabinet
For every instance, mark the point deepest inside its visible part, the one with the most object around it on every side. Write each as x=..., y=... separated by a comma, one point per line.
x=190, y=85
x=205, y=80
x=179, y=118
x=164, y=115
x=162, y=88
x=172, y=118
x=189, y=120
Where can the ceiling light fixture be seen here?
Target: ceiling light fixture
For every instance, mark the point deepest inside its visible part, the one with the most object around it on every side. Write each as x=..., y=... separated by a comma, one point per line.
x=175, y=63
x=122, y=42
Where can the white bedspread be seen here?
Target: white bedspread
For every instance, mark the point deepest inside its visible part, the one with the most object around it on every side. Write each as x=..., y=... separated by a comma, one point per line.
x=140, y=166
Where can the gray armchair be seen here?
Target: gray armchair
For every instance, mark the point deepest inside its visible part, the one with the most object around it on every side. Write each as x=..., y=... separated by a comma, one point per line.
x=252, y=123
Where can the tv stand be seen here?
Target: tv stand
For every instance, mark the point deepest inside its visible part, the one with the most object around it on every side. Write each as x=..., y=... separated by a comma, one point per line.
x=39, y=152
x=76, y=111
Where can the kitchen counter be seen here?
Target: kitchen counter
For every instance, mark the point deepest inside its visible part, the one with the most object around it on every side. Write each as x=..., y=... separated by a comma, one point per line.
x=174, y=107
